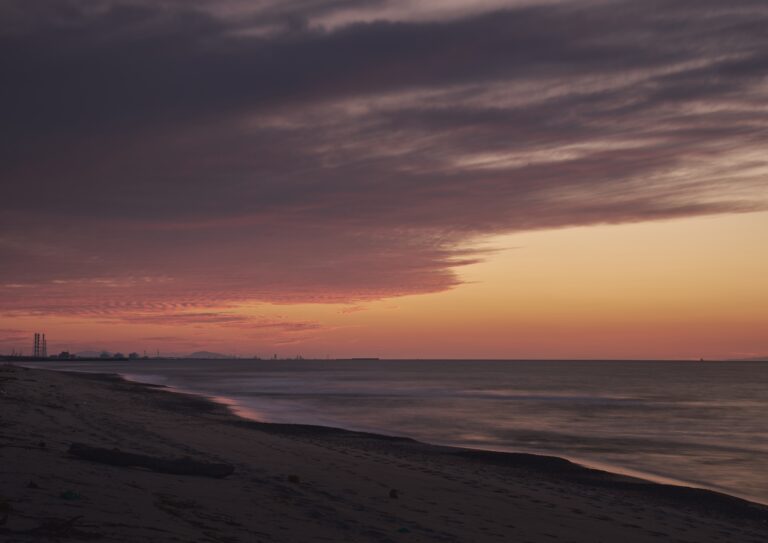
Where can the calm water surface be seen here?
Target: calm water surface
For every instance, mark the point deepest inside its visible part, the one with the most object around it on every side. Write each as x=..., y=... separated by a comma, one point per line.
x=700, y=423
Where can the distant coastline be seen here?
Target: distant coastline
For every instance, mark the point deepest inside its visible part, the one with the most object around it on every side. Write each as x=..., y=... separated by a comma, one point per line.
x=112, y=358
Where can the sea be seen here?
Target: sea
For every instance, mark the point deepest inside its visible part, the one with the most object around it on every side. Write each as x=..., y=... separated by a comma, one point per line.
x=702, y=424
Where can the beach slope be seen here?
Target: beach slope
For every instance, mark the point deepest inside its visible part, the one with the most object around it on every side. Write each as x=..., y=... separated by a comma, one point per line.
x=151, y=465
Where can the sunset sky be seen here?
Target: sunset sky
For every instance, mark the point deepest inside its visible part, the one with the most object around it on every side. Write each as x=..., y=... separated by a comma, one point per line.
x=455, y=179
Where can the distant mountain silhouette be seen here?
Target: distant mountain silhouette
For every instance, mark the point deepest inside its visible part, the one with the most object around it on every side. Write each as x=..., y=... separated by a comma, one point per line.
x=208, y=355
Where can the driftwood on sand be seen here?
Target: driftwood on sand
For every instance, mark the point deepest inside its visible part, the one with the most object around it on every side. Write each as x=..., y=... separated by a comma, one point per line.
x=176, y=466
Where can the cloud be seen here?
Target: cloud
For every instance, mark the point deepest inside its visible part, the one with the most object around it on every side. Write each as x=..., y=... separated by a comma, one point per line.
x=177, y=155
x=216, y=319
x=12, y=336
x=352, y=309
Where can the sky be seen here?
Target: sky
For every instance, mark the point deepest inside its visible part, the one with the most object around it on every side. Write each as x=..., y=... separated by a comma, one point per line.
x=491, y=179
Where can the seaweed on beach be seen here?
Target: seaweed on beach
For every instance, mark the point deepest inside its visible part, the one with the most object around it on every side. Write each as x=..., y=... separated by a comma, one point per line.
x=55, y=528
x=175, y=466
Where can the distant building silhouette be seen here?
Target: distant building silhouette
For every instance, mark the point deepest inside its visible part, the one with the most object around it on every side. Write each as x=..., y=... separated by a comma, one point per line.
x=40, y=346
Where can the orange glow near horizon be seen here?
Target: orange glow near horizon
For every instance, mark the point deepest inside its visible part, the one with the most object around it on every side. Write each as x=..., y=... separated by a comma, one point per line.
x=685, y=288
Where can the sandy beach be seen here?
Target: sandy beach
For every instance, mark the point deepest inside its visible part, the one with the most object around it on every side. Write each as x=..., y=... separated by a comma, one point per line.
x=294, y=483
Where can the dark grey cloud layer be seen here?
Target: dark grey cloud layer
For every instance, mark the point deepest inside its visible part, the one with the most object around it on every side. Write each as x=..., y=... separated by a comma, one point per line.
x=202, y=153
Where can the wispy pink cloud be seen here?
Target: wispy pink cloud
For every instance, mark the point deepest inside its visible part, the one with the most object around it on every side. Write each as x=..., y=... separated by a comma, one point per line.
x=352, y=309
x=217, y=319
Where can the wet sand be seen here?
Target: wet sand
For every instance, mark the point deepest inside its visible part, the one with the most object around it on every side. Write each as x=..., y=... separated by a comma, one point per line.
x=297, y=483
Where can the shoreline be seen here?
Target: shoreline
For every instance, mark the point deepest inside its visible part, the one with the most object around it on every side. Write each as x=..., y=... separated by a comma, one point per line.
x=238, y=411
x=241, y=411
x=295, y=482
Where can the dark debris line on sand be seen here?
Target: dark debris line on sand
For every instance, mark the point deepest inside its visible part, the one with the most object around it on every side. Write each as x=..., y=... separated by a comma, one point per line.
x=55, y=529
x=175, y=466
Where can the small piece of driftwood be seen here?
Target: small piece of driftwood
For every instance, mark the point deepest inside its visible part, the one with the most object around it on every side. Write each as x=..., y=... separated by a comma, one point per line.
x=175, y=466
